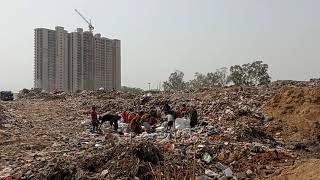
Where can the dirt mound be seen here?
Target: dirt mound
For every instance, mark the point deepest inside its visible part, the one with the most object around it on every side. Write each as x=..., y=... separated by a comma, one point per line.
x=308, y=169
x=296, y=113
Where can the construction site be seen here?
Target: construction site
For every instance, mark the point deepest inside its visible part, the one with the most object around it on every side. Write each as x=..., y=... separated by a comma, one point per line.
x=243, y=132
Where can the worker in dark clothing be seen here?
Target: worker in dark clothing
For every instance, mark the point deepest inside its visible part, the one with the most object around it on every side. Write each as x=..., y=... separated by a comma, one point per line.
x=193, y=117
x=113, y=119
x=166, y=108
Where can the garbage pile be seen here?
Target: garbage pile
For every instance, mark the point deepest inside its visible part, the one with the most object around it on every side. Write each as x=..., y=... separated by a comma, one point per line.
x=227, y=107
x=147, y=160
x=37, y=93
x=107, y=94
x=311, y=83
x=3, y=116
x=243, y=133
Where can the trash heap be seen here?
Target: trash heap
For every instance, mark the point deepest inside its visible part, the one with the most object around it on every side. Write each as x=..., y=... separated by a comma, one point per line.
x=37, y=93
x=107, y=94
x=281, y=83
x=3, y=116
x=243, y=133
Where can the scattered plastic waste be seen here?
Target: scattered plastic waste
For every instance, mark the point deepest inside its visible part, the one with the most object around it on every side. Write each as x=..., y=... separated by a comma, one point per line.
x=206, y=157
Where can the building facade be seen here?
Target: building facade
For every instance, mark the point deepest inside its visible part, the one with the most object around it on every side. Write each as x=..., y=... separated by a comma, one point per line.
x=45, y=58
x=116, y=60
x=75, y=61
x=62, y=60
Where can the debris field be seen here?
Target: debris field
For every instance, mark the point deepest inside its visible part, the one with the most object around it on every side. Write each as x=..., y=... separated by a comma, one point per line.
x=243, y=133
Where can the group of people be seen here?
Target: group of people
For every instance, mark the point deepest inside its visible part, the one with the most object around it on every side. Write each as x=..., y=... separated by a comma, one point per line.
x=181, y=112
x=147, y=119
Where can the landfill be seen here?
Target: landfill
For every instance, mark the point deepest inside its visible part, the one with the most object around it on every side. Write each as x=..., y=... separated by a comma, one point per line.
x=261, y=132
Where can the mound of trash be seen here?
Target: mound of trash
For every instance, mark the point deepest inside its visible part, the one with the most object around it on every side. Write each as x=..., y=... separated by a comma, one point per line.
x=106, y=94
x=148, y=152
x=296, y=113
x=3, y=116
x=243, y=133
x=36, y=93
x=130, y=160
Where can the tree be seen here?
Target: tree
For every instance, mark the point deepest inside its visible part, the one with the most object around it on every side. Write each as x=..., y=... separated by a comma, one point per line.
x=199, y=81
x=237, y=75
x=255, y=73
x=260, y=73
x=221, y=76
x=218, y=78
x=212, y=79
x=175, y=81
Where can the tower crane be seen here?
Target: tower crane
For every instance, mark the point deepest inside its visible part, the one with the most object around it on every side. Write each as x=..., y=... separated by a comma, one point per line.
x=91, y=28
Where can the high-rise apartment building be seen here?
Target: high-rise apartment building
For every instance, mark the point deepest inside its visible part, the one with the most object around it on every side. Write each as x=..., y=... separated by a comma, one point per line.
x=88, y=61
x=62, y=60
x=76, y=61
x=45, y=58
x=116, y=70
x=104, y=64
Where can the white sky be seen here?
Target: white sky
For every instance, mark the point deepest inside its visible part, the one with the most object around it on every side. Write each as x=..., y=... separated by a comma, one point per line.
x=159, y=36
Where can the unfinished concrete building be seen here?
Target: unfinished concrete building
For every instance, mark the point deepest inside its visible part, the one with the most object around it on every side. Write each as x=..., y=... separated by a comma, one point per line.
x=76, y=61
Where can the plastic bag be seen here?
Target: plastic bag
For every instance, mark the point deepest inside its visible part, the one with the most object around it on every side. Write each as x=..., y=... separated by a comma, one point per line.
x=182, y=123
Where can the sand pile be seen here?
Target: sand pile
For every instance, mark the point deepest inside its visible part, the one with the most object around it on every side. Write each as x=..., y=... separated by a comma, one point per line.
x=302, y=170
x=296, y=113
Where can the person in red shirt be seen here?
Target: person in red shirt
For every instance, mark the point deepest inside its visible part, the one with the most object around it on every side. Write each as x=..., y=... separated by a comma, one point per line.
x=152, y=120
x=94, y=119
x=124, y=116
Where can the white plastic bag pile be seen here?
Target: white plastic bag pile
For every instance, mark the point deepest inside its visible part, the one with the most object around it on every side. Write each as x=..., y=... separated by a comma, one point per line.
x=182, y=123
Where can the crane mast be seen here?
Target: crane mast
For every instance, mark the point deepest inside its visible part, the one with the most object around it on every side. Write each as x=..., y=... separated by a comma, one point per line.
x=91, y=28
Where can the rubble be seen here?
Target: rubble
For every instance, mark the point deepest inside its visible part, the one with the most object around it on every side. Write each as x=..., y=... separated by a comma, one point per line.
x=241, y=134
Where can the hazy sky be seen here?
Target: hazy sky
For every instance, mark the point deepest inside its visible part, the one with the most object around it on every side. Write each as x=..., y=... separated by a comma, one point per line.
x=160, y=36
